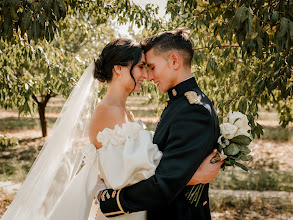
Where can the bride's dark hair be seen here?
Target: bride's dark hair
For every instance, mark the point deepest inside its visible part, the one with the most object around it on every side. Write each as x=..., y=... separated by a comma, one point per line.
x=120, y=51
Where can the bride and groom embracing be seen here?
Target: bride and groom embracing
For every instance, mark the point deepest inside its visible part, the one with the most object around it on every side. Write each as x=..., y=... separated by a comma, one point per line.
x=140, y=171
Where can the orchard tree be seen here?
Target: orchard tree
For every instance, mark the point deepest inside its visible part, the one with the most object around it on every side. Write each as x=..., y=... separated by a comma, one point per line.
x=34, y=73
x=46, y=45
x=243, y=53
x=31, y=75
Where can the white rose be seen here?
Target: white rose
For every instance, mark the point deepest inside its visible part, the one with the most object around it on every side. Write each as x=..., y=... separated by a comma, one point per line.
x=228, y=130
x=242, y=132
x=239, y=119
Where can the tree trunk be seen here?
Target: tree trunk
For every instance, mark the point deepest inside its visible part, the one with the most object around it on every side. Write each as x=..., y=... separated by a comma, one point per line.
x=41, y=108
x=43, y=120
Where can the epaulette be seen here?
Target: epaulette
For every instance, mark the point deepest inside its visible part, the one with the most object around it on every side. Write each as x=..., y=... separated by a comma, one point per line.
x=192, y=97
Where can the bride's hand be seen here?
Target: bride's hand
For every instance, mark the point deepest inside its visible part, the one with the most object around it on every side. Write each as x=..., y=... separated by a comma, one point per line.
x=99, y=196
x=207, y=171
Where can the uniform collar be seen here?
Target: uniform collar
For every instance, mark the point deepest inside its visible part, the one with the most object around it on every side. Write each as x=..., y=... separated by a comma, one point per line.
x=179, y=90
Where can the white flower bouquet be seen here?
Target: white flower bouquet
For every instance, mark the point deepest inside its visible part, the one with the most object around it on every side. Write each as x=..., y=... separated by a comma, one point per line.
x=234, y=145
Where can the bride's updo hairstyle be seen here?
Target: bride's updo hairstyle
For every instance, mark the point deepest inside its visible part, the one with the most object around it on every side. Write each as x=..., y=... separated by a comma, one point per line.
x=121, y=51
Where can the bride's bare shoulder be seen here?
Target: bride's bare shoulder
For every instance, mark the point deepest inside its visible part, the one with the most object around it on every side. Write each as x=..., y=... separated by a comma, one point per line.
x=105, y=116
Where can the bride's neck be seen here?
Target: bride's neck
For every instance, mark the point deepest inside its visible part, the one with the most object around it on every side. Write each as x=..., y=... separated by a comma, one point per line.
x=116, y=95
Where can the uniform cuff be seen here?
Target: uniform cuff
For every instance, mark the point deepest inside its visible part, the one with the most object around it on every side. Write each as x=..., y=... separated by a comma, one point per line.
x=110, y=203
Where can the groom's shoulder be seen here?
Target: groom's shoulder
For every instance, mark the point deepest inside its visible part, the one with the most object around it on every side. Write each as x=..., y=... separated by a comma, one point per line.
x=195, y=101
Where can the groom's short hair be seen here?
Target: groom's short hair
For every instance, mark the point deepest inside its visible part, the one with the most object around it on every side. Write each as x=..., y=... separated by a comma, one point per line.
x=169, y=41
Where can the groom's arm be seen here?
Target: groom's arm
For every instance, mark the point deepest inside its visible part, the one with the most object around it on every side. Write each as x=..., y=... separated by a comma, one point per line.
x=191, y=139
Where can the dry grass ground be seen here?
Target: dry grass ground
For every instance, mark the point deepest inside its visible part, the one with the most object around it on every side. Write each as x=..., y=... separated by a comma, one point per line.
x=265, y=193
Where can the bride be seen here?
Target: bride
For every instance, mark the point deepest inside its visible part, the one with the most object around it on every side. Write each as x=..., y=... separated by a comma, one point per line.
x=125, y=154
x=70, y=170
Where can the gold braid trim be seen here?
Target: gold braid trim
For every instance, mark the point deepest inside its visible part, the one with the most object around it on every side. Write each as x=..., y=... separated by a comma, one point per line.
x=119, y=205
x=113, y=213
x=118, y=201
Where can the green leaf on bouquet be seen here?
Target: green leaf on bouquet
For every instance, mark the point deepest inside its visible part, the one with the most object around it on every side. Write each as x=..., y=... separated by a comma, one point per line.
x=241, y=140
x=236, y=157
x=232, y=149
x=246, y=157
x=220, y=148
x=244, y=149
x=239, y=165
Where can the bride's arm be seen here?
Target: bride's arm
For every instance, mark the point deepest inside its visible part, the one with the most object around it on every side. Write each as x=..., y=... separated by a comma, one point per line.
x=207, y=171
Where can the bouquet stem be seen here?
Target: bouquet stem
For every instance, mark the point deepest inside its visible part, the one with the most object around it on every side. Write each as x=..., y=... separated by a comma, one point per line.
x=194, y=194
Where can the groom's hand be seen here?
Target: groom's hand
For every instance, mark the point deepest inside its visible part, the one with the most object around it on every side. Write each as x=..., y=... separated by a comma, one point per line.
x=207, y=171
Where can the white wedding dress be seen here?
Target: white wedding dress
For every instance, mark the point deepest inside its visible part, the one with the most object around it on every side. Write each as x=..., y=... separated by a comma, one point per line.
x=127, y=157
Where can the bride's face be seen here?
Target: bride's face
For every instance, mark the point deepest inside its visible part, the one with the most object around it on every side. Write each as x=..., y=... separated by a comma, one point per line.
x=139, y=73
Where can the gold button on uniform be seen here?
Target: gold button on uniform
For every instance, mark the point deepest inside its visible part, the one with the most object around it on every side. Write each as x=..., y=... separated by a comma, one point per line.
x=174, y=92
x=166, y=104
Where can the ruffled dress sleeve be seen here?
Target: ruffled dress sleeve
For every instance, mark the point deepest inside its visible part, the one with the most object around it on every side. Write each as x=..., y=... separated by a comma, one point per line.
x=128, y=155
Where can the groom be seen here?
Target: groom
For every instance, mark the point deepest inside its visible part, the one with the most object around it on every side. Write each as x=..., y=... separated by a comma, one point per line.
x=187, y=134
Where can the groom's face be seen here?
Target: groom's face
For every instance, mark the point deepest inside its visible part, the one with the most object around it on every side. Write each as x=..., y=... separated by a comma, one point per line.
x=159, y=71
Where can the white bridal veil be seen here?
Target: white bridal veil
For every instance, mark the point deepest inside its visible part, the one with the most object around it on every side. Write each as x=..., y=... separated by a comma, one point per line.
x=60, y=158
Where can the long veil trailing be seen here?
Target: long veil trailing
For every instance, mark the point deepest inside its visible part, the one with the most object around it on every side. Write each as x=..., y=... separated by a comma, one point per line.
x=61, y=157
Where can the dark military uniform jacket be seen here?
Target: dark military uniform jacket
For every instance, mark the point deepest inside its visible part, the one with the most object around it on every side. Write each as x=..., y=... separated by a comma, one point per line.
x=186, y=134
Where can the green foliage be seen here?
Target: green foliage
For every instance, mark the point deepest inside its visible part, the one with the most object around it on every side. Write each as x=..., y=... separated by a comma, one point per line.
x=243, y=53
x=38, y=19
x=7, y=142
x=34, y=70
x=41, y=19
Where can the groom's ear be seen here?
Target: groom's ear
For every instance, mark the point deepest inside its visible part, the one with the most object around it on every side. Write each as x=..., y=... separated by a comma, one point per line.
x=174, y=61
